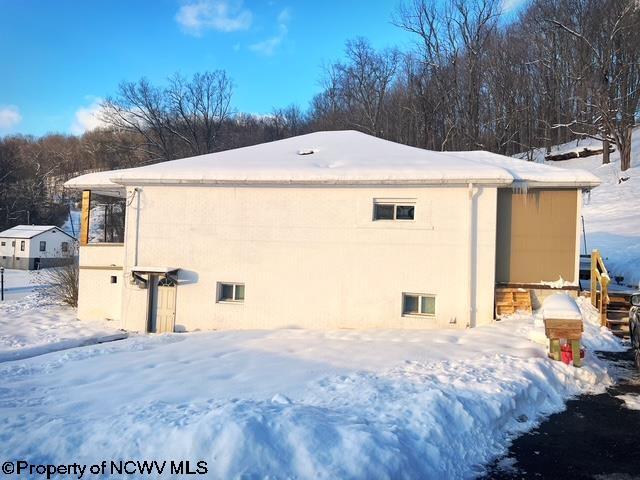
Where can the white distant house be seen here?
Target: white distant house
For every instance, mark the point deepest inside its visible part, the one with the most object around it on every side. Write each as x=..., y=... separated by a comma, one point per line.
x=326, y=230
x=30, y=247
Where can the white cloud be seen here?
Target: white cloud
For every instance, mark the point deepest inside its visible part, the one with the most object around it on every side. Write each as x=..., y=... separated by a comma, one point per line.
x=222, y=15
x=9, y=117
x=270, y=45
x=512, y=5
x=284, y=16
x=87, y=118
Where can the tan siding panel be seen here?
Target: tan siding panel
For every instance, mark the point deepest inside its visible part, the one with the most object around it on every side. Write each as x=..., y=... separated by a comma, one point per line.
x=536, y=235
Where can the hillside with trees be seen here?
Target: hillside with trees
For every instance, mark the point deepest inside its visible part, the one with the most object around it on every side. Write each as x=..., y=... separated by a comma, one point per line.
x=474, y=79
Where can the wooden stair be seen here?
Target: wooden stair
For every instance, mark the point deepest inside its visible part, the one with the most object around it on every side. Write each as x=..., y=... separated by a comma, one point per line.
x=613, y=305
x=512, y=300
x=618, y=314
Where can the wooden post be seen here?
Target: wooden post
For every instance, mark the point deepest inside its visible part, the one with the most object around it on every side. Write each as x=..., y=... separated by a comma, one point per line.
x=84, y=219
x=594, y=271
x=554, y=348
x=604, y=299
x=575, y=350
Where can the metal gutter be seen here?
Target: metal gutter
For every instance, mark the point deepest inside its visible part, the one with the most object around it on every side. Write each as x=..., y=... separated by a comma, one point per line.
x=319, y=183
x=495, y=182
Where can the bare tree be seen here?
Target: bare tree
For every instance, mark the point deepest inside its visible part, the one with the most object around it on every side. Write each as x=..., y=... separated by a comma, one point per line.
x=359, y=86
x=198, y=109
x=608, y=31
x=452, y=41
x=287, y=122
x=182, y=119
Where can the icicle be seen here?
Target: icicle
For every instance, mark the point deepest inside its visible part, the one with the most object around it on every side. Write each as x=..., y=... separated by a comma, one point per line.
x=520, y=187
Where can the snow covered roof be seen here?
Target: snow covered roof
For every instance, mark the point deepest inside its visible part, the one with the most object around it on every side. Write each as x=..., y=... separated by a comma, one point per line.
x=533, y=173
x=334, y=158
x=29, y=231
x=98, y=182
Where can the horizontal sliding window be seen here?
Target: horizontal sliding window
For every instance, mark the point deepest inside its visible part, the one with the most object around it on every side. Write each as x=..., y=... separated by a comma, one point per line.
x=231, y=292
x=390, y=210
x=418, y=304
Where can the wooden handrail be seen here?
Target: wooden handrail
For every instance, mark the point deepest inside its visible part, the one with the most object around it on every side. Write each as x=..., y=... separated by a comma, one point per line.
x=599, y=278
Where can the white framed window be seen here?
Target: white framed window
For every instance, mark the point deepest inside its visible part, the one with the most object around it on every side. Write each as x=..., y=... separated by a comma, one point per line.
x=2, y=244
x=389, y=209
x=231, y=292
x=418, y=304
x=22, y=244
x=43, y=246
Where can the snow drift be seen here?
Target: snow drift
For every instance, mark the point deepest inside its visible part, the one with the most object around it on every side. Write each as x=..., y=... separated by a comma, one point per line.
x=296, y=403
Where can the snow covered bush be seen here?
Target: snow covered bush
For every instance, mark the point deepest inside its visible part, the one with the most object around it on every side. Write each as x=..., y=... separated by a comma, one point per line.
x=63, y=282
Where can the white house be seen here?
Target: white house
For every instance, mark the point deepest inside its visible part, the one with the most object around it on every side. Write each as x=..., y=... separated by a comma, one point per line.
x=327, y=230
x=30, y=247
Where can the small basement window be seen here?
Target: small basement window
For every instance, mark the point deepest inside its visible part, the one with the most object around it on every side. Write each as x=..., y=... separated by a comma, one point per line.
x=43, y=246
x=418, y=304
x=231, y=292
x=383, y=210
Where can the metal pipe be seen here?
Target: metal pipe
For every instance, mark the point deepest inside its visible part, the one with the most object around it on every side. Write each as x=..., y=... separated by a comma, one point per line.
x=584, y=236
x=470, y=253
x=135, y=251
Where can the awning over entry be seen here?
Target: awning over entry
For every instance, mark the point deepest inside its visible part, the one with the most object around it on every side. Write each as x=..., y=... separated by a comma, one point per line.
x=142, y=275
x=155, y=270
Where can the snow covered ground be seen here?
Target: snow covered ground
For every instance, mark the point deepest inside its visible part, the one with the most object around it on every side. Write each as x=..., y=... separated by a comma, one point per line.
x=631, y=401
x=32, y=324
x=290, y=403
x=612, y=210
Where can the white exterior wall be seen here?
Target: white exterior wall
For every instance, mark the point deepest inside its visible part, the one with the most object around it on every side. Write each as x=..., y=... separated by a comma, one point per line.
x=53, y=248
x=312, y=257
x=98, y=298
x=54, y=239
x=8, y=250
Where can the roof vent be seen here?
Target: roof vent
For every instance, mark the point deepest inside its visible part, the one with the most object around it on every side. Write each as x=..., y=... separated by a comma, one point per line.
x=306, y=151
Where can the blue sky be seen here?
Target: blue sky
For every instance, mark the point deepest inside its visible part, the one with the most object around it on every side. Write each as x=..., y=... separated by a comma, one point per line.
x=59, y=57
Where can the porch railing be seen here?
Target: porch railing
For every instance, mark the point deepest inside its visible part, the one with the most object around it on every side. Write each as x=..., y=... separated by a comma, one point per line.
x=599, y=285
